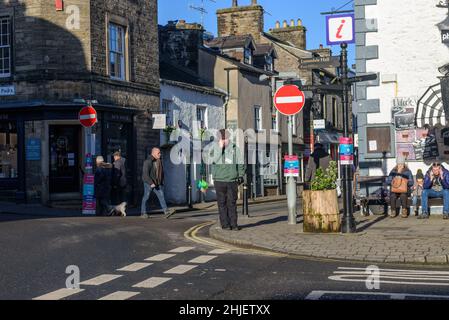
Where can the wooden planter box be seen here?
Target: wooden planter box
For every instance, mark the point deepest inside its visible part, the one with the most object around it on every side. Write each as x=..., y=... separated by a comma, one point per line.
x=321, y=212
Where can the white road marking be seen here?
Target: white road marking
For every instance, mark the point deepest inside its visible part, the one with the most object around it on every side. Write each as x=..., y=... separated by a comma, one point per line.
x=181, y=269
x=202, y=259
x=182, y=249
x=413, y=277
x=219, y=251
x=293, y=99
x=160, y=257
x=316, y=295
x=135, y=267
x=97, y=281
x=120, y=295
x=152, y=282
x=59, y=294
x=220, y=270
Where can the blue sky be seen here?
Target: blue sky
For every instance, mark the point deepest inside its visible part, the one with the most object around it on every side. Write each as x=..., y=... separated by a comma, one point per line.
x=306, y=10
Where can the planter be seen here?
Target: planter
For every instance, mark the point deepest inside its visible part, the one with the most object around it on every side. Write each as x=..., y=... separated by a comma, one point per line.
x=321, y=211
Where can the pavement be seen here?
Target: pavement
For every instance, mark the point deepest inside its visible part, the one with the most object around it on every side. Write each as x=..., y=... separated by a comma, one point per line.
x=378, y=238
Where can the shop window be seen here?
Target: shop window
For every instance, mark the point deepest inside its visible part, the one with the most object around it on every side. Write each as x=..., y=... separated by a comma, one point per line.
x=8, y=150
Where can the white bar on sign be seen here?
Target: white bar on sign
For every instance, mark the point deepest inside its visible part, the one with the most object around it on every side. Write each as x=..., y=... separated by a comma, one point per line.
x=297, y=99
x=87, y=116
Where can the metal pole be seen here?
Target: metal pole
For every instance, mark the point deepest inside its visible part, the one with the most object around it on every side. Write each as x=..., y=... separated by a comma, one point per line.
x=348, y=223
x=245, y=210
x=291, y=185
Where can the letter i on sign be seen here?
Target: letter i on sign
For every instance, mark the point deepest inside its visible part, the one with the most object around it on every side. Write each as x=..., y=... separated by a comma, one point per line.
x=59, y=5
x=339, y=35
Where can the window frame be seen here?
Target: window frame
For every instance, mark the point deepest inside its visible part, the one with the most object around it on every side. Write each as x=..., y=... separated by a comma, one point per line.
x=275, y=119
x=202, y=108
x=248, y=56
x=8, y=47
x=294, y=129
x=258, y=120
x=124, y=24
x=166, y=107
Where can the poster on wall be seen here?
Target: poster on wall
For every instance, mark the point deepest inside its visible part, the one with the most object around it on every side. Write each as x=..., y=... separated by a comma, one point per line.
x=442, y=135
x=403, y=112
x=406, y=151
x=430, y=147
x=405, y=136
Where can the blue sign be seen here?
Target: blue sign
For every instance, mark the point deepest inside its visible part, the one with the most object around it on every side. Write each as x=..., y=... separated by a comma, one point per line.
x=33, y=149
x=346, y=149
x=340, y=29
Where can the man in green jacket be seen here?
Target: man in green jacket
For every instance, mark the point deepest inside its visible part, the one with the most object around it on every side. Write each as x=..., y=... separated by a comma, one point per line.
x=228, y=169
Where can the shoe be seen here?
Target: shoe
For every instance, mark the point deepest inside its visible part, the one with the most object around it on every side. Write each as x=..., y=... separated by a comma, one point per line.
x=416, y=213
x=145, y=215
x=404, y=213
x=226, y=228
x=169, y=213
x=236, y=228
x=423, y=216
x=445, y=216
x=393, y=213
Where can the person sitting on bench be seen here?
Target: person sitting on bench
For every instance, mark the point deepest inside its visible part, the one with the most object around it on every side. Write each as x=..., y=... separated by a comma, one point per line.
x=436, y=185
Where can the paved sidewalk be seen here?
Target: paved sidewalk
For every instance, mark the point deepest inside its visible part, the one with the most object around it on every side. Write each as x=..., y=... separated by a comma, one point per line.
x=379, y=238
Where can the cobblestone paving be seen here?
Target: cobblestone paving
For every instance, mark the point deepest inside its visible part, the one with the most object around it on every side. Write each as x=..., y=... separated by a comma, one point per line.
x=378, y=239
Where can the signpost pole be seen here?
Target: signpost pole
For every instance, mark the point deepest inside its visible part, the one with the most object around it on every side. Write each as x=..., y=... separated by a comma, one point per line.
x=348, y=223
x=291, y=185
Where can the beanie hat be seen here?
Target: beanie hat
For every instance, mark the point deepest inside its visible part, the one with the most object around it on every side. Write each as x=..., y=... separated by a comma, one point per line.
x=419, y=174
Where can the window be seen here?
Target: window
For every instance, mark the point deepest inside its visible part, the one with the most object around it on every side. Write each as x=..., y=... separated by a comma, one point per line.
x=324, y=106
x=117, y=51
x=257, y=118
x=274, y=120
x=334, y=112
x=248, y=56
x=168, y=110
x=201, y=116
x=8, y=150
x=269, y=63
x=5, y=47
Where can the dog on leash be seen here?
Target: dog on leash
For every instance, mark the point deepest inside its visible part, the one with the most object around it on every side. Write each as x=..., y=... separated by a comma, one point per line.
x=118, y=210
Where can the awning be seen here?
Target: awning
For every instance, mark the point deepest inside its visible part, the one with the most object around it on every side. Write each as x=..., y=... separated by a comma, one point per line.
x=328, y=137
x=430, y=109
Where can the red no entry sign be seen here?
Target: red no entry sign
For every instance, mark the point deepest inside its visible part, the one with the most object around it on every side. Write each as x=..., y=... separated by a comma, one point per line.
x=289, y=100
x=88, y=116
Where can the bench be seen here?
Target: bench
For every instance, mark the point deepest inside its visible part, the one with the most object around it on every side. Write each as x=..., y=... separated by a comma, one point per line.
x=371, y=194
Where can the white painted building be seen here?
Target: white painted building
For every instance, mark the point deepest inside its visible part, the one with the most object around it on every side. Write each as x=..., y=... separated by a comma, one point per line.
x=189, y=107
x=402, y=41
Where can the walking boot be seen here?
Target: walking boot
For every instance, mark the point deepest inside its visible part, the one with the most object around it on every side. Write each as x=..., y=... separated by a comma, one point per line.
x=404, y=213
x=393, y=213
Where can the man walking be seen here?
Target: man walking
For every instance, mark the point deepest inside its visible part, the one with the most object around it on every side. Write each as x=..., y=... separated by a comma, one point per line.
x=153, y=180
x=119, y=179
x=436, y=185
x=228, y=170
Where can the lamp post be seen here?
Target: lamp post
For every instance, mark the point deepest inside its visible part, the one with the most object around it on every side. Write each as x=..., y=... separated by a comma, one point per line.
x=348, y=222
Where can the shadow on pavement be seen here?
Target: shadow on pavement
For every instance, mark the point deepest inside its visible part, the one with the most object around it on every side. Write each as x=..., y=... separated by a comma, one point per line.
x=369, y=224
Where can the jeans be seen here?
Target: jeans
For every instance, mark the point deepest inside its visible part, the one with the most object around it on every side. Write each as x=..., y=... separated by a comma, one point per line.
x=227, y=203
x=102, y=206
x=146, y=195
x=429, y=193
x=415, y=199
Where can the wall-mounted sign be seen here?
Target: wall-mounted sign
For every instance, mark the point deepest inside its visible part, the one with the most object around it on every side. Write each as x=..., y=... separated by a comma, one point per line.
x=319, y=124
x=7, y=91
x=33, y=149
x=159, y=121
x=445, y=36
x=291, y=166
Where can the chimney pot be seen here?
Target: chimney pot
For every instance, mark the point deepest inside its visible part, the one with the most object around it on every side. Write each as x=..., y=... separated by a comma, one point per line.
x=292, y=23
x=234, y=3
x=299, y=23
x=284, y=24
x=321, y=46
x=278, y=24
x=254, y=2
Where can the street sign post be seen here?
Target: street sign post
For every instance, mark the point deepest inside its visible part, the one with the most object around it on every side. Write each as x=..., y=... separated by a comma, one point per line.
x=289, y=100
x=88, y=116
x=320, y=62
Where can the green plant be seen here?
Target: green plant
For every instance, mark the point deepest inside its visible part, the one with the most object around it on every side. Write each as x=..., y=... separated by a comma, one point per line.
x=168, y=130
x=325, y=179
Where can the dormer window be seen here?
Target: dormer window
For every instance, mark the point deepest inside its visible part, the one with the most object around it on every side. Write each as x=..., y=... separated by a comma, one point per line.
x=248, y=56
x=269, y=63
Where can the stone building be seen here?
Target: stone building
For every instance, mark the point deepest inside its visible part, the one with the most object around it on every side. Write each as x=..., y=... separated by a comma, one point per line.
x=289, y=43
x=56, y=56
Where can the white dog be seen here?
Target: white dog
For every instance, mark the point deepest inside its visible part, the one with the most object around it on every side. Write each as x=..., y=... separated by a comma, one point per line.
x=118, y=210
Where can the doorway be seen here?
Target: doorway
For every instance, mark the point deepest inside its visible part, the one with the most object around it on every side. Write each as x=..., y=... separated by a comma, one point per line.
x=64, y=148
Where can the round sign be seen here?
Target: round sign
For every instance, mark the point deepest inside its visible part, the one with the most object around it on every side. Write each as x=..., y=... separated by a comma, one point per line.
x=289, y=100
x=88, y=116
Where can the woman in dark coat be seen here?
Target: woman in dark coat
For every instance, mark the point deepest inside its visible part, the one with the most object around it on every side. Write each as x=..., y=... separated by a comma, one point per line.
x=403, y=171
x=103, y=185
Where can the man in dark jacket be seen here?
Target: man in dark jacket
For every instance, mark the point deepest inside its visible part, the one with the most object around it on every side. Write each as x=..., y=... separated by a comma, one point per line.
x=228, y=169
x=153, y=180
x=119, y=179
x=318, y=159
x=436, y=185
x=103, y=179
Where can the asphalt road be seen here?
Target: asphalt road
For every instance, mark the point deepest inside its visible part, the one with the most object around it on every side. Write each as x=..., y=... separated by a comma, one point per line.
x=159, y=260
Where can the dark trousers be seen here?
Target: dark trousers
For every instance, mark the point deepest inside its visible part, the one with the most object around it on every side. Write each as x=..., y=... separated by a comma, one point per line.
x=103, y=206
x=395, y=196
x=227, y=203
x=118, y=195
